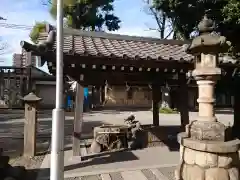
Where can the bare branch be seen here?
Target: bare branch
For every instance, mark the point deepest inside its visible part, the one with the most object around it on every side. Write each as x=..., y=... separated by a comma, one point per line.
x=2, y=18
x=46, y=2
x=168, y=34
x=161, y=19
x=4, y=48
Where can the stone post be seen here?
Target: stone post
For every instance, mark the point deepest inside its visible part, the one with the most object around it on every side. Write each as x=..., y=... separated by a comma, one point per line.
x=78, y=119
x=208, y=150
x=30, y=124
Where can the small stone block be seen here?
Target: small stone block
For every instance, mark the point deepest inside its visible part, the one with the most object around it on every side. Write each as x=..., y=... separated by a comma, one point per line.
x=192, y=172
x=216, y=174
x=233, y=174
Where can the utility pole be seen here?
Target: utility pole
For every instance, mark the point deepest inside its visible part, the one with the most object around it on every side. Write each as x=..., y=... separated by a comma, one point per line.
x=58, y=115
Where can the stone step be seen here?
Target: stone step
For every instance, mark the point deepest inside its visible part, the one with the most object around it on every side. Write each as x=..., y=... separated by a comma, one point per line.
x=165, y=173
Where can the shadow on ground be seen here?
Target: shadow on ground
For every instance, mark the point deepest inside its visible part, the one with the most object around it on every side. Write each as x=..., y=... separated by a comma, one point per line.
x=105, y=158
x=8, y=114
x=11, y=135
x=112, y=110
x=161, y=136
x=219, y=110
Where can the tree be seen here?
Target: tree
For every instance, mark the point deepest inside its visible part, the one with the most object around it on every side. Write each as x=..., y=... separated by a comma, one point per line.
x=3, y=48
x=3, y=45
x=163, y=23
x=38, y=28
x=186, y=14
x=229, y=25
x=94, y=15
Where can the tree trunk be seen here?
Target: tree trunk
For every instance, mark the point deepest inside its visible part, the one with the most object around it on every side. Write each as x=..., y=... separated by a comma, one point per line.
x=162, y=29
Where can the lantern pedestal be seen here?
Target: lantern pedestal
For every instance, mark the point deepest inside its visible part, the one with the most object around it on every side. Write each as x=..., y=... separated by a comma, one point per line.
x=207, y=149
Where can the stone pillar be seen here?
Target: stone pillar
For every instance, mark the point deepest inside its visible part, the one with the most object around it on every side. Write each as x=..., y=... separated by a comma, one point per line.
x=207, y=149
x=93, y=97
x=102, y=95
x=78, y=119
x=30, y=124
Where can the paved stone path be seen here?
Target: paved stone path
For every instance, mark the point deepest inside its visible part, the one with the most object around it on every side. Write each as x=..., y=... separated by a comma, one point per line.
x=162, y=173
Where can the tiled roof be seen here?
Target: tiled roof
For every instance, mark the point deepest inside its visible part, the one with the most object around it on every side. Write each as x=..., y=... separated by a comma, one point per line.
x=121, y=46
x=127, y=47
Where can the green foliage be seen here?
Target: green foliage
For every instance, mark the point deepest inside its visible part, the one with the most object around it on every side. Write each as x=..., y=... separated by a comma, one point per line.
x=88, y=14
x=230, y=24
x=186, y=14
x=38, y=28
x=168, y=111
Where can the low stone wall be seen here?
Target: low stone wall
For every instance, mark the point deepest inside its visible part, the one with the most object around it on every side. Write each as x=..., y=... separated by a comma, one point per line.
x=207, y=159
x=205, y=165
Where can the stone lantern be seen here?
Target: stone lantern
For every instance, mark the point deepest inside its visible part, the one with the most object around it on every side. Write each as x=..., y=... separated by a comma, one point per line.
x=207, y=150
x=30, y=124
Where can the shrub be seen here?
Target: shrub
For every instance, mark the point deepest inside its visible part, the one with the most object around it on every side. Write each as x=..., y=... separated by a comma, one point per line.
x=166, y=110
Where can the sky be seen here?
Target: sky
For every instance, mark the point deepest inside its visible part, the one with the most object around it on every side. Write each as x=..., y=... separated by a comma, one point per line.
x=132, y=13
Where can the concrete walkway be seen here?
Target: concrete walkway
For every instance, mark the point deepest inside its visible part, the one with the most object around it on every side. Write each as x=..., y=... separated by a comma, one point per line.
x=126, y=164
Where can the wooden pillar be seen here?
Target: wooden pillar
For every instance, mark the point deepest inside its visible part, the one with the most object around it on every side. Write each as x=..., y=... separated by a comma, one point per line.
x=183, y=101
x=155, y=104
x=2, y=84
x=93, y=97
x=78, y=119
x=29, y=79
x=102, y=94
x=236, y=108
x=98, y=96
x=9, y=89
x=30, y=124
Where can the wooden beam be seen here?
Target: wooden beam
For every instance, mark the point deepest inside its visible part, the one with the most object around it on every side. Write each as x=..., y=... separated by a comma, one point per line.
x=140, y=63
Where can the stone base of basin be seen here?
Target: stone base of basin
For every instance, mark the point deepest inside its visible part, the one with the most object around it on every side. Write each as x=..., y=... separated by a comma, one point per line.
x=208, y=160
